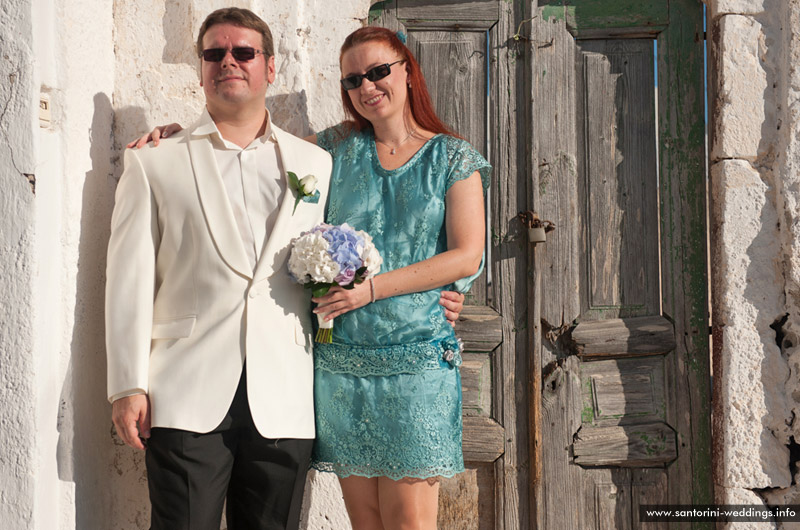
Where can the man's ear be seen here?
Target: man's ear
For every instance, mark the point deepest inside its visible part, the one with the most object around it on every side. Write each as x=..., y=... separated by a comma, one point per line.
x=200, y=71
x=271, y=71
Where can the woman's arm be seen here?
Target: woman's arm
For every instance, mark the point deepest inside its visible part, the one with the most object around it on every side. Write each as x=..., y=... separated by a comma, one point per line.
x=464, y=222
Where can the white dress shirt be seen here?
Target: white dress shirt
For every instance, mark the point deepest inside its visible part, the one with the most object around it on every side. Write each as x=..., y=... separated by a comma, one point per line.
x=253, y=178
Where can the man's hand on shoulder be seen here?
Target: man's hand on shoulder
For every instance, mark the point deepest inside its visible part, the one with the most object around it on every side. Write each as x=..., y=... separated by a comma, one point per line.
x=131, y=417
x=453, y=304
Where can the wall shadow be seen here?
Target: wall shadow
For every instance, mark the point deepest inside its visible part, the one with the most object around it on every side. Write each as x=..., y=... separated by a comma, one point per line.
x=91, y=455
x=290, y=112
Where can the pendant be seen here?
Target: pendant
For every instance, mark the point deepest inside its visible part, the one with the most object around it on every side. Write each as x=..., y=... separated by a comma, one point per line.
x=393, y=151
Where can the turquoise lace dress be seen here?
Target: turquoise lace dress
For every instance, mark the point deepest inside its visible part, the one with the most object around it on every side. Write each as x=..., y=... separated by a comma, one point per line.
x=387, y=391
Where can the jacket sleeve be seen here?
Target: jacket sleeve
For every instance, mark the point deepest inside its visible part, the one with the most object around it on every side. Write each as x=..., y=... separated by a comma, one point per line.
x=130, y=280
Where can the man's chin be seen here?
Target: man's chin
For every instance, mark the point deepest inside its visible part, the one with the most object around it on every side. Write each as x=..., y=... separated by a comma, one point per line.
x=233, y=97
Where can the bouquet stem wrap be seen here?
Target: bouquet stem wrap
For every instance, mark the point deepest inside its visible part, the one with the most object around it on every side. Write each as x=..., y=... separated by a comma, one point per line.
x=325, y=331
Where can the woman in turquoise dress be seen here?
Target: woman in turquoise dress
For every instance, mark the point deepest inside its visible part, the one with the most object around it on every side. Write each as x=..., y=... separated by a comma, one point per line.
x=388, y=388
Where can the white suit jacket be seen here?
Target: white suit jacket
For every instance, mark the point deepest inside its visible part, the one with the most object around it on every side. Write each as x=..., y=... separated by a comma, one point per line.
x=183, y=305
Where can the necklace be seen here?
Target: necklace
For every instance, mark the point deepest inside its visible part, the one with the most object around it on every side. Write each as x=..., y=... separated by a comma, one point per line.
x=393, y=150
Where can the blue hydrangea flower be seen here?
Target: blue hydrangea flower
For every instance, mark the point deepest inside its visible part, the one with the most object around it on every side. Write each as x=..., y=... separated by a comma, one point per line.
x=345, y=249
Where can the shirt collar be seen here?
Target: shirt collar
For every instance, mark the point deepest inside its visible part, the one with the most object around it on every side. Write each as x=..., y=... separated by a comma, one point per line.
x=207, y=127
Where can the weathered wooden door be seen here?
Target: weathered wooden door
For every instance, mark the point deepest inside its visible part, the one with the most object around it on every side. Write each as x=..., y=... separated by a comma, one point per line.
x=620, y=292
x=455, y=42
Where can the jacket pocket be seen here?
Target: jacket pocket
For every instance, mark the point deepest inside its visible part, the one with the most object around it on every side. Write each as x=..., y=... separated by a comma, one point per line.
x=173, y=328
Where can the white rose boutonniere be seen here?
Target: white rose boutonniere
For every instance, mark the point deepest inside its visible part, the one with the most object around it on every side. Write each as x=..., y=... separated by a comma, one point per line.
x=305, y=189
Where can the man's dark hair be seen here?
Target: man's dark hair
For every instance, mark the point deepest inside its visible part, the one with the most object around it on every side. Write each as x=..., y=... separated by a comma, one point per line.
x=237, y=16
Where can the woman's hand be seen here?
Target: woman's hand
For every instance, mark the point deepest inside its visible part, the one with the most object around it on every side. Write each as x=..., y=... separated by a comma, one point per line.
x=339, y=300
x=161, y=131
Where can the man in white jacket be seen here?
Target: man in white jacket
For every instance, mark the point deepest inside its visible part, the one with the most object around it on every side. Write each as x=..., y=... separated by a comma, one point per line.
x=197, y=285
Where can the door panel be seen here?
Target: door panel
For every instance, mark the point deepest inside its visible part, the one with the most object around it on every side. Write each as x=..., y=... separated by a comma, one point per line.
x=619, y=426
x=454, y=65
x=619, y=188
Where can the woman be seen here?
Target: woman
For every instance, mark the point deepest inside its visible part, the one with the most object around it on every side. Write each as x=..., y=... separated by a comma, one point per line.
x=388, y=389
x=388, y=402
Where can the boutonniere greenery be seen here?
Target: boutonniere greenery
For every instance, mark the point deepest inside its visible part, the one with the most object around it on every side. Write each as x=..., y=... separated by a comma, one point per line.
x=305, y=189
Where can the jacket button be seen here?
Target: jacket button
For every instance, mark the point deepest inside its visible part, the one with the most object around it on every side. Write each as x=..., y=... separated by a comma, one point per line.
x=253, y=293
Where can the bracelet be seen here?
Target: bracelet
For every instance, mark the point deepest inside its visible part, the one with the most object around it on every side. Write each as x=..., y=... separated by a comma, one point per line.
x=371, y=290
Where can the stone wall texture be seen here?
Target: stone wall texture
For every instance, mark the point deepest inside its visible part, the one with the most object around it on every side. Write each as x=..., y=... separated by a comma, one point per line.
x=17, y=269
x=755, y=234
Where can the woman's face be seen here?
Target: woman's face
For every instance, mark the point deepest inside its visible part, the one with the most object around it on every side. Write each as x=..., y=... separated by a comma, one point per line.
x=384, y=98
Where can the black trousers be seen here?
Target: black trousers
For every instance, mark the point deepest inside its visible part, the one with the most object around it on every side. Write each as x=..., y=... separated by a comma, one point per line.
x=190, y=475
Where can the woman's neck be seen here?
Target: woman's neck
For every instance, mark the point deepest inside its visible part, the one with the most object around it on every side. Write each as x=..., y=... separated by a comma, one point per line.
x=393, y=131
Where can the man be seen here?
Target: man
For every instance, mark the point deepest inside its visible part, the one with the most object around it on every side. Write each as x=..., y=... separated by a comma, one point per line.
x=196, y=284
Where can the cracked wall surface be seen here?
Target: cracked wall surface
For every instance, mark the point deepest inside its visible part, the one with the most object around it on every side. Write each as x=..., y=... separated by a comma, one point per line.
x=755, y=234
x=17, y=269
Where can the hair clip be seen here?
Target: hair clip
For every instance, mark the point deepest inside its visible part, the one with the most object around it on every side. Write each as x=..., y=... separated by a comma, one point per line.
x=401, y=36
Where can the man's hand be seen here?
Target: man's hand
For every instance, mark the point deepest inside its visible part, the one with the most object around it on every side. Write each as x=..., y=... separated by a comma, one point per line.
x=453, y=304
x=131, y=416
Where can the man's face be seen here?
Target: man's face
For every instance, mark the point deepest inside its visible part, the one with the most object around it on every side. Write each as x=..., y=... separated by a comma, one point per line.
x=230, y=84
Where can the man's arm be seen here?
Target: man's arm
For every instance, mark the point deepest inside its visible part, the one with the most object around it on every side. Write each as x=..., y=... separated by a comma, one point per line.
x=130, y=280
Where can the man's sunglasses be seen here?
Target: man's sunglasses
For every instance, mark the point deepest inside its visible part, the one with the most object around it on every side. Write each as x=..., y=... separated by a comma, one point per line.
x=242, y=55
x=373, y=74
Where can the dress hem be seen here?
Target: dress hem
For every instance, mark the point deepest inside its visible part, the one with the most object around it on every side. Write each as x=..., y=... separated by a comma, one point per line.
x=323, y=468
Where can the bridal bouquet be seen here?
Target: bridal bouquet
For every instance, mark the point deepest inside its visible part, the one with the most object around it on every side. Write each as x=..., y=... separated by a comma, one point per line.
x=331, y=255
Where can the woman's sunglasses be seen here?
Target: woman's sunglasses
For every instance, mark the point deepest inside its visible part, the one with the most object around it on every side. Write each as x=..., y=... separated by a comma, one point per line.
x=373, y=74
x=242, y=55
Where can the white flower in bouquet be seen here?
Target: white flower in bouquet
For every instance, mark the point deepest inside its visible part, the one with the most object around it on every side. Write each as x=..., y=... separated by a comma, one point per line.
x=372, y=258
x=310, y=261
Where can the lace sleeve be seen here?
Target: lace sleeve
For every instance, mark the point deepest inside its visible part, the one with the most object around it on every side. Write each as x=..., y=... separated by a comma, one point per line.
x=464, y=161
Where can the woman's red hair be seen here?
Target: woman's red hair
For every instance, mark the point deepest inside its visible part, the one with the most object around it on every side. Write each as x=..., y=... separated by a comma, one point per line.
x=418, y=97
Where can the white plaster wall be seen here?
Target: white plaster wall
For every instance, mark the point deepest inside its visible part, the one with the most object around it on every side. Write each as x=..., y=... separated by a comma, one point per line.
x=74, y=66
x=54, y=436
x=17, y=269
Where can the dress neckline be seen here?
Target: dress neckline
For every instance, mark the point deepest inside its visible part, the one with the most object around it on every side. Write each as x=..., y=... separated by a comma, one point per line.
x=376, y=161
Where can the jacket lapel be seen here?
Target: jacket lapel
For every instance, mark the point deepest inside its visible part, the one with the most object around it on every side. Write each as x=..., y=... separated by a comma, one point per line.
x=287, y=226
x=216, y=206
